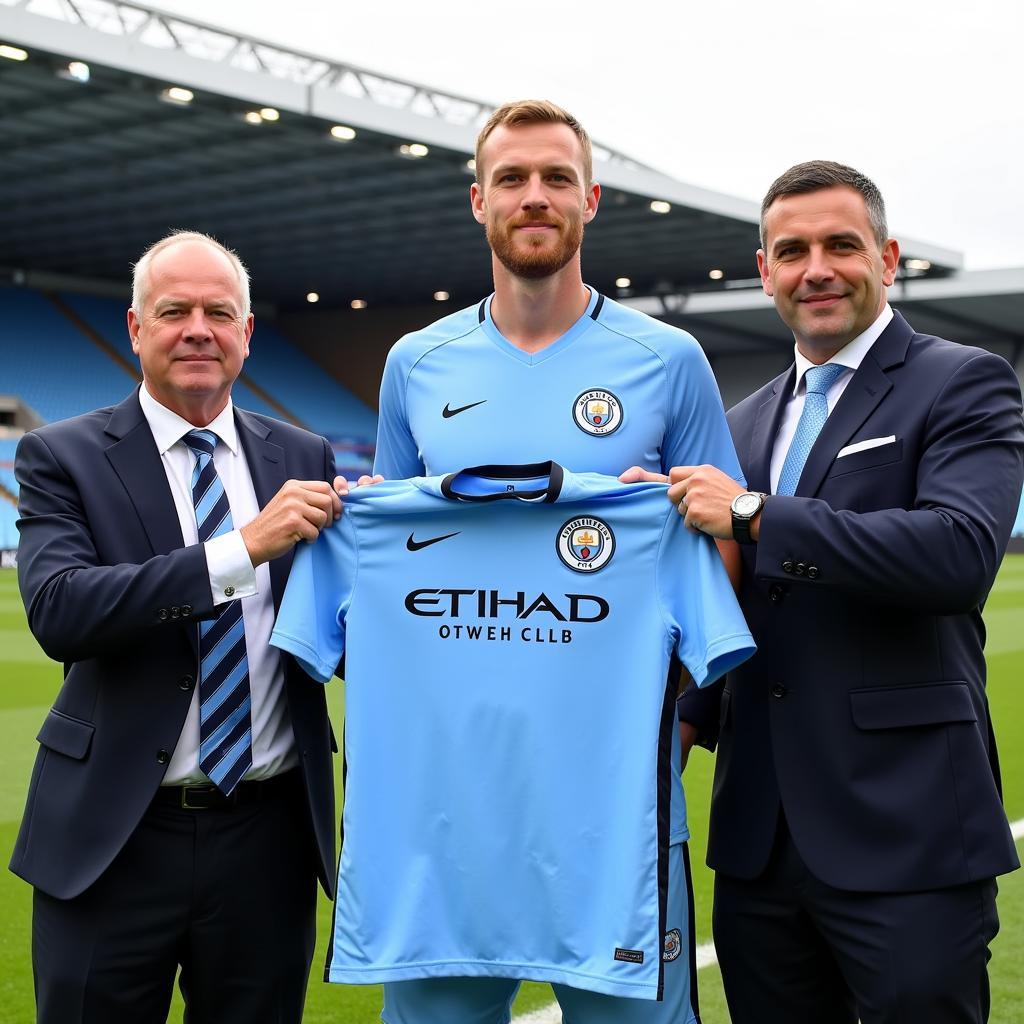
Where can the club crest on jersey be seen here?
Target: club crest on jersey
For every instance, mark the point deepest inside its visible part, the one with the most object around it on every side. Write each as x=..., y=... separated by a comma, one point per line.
x=585, y=544
x=597, y=412
x=673, y=945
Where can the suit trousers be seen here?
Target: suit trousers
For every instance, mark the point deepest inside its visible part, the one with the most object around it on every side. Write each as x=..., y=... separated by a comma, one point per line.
x=794, y=950
x=228, y=893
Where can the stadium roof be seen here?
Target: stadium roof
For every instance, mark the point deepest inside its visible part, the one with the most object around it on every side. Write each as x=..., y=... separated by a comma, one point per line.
x=99, y=161
x=981, y=307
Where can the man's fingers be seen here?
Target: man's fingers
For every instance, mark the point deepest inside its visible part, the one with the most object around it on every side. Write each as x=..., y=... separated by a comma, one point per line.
x=637, y=474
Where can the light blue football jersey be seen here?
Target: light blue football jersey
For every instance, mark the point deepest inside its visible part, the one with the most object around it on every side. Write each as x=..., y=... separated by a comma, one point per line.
x=618, y=389
x=507, y=634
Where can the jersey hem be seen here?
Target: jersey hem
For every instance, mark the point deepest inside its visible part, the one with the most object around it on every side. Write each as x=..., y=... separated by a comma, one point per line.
x=491, y=969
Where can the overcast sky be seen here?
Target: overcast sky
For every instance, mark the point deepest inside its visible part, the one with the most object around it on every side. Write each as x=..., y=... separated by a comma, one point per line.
x=924, y=97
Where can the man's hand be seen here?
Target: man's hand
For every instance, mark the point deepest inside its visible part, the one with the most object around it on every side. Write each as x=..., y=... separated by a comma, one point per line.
x=299, y=511
x=341, y=485
x=703, y=496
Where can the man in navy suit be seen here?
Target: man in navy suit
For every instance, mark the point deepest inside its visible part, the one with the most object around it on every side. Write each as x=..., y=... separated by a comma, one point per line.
x=139, y=862
x=856, y=824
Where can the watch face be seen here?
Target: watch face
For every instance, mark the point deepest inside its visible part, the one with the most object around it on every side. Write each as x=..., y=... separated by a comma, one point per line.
x=746, y=504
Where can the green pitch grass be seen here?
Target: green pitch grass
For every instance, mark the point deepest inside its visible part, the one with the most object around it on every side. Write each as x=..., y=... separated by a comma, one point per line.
x=28, y=682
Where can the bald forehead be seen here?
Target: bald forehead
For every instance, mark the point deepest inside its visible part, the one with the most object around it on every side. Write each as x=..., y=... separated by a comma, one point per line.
x=193, y=260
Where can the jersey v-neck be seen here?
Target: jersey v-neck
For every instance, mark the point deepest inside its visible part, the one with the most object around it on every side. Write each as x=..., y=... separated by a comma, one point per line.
x=578, y=329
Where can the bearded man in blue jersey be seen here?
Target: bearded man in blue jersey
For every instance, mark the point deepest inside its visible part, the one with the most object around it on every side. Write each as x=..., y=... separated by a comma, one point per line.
x=548, y=368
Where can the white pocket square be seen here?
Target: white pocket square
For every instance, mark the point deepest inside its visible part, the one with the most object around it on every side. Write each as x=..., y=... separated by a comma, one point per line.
x=863, y=446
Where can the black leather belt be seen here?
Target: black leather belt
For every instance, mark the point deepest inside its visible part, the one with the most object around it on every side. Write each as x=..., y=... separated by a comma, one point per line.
x=208, y=797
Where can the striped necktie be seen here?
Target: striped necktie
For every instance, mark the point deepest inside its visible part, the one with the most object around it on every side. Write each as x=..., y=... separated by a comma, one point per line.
x=819, y=379
x=225, y=717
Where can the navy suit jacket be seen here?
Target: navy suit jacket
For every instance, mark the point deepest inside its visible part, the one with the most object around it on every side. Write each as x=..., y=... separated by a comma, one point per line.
x=864, y=711
x=111, y=591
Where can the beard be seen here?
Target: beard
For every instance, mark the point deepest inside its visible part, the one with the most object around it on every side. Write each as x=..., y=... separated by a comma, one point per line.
x=523, y=258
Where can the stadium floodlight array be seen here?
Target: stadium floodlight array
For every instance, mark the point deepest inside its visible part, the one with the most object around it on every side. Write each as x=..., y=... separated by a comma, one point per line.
x=172, y=32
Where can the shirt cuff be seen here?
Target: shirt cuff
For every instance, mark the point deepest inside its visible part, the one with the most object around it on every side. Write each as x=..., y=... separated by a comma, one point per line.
x=231, y=573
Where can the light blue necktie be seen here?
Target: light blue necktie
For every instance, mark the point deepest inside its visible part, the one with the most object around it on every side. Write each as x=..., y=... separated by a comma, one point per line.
x=819, y=379
x=225, y=716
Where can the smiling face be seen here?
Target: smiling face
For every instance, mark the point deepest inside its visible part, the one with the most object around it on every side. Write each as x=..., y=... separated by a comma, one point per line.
x=533, y=197
x=824, y=268
x=191, y=335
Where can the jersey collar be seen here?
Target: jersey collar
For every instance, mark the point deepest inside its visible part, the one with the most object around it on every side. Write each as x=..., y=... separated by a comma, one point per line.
x=582, y=325
x=537, y=481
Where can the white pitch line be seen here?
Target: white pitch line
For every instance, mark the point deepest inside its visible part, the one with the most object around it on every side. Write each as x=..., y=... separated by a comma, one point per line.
x=706, y=956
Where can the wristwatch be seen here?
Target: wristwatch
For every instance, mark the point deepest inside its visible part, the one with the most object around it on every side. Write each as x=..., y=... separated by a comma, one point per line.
x=745, y=506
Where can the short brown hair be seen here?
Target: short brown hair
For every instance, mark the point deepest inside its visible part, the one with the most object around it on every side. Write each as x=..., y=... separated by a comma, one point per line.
x=522, y=112
x=814, y=175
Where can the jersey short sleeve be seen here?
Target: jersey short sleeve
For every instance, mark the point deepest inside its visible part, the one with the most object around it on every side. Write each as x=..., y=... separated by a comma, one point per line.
x=701, y=611
x=311, y=622
x=397, y=456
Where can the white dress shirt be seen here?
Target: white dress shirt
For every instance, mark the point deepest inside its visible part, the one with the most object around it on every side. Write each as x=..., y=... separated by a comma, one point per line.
x=850, y=356
x=273, y=743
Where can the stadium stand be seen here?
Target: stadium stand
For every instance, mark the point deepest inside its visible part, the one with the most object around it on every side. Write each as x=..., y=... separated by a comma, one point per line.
x=107, y=317
x=277, y=367
x=36, y=341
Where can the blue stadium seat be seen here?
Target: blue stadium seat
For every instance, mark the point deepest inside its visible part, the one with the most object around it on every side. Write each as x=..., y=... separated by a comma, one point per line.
x=108, y=317
x=49, y=364
x=307, y=390
x=283, y=371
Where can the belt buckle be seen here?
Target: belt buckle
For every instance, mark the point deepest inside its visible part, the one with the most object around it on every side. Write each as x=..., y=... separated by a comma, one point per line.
x=187, y=806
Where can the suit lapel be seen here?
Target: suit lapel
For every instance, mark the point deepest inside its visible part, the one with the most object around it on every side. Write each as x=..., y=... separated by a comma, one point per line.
x=868, y=386
x=269, y=470
x=766, y=429
x=136, y=461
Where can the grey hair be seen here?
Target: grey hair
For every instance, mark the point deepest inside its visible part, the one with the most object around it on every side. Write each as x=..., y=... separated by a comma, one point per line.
x=814, y=175
x=141, y=268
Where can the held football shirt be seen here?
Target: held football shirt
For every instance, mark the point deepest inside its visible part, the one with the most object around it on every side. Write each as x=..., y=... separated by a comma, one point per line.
x=507, y=634
x=618, y=389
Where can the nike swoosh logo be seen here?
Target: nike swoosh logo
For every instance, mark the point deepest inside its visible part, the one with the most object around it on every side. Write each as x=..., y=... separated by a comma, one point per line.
x=415, y=545
x=449, y=413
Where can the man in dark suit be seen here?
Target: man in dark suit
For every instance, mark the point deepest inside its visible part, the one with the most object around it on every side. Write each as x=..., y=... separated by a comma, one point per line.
x=856, y=823
x=181, y=806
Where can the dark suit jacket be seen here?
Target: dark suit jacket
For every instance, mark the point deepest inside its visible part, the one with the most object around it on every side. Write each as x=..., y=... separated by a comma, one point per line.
x=112, y=592
x=864, y=711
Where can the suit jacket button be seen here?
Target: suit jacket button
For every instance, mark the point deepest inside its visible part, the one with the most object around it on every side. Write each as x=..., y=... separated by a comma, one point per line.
x=787, y=566
x=776, y=593
x=186, y=610
x=229, y=591
x=799, y=568
x=186, y=682
x=813, y=572
x=175, y=612
x=162, y=615
x=162, y=757
x=778, y=690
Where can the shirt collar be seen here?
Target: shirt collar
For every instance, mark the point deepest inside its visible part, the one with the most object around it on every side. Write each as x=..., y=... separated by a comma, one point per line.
x=850, y=355
x=168, y=427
